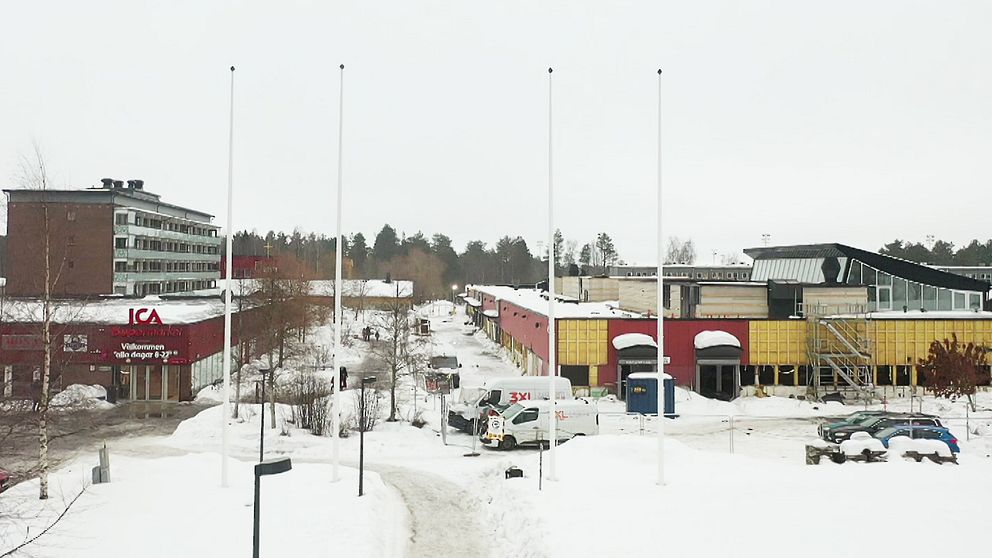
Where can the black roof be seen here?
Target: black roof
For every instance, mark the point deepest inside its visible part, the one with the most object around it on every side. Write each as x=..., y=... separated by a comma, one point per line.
x=894, y=266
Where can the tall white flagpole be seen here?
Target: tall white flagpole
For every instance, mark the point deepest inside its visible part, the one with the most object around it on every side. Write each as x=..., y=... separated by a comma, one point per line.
x=661, y=316
x=226, y=411
x=338, y=295
x=552, y=346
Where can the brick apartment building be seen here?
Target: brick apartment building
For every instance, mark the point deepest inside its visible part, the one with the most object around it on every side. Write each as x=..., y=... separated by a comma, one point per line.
x=115, y=239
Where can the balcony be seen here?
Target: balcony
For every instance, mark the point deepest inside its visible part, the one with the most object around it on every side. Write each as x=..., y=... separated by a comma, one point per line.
x=135, y=230
x=138, y=254
x=132, y=276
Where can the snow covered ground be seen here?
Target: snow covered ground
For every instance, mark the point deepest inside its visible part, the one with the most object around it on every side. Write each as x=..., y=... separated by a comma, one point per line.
x=737, y=485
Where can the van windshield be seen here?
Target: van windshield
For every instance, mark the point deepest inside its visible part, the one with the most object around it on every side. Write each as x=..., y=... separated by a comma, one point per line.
x=512, y=410
x=494, y=397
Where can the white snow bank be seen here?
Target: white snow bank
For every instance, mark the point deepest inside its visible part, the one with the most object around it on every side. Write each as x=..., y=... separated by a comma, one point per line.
x=707, y=339
x=299, y=508
x=627, y=340
x=79, y=396
x=491, y=313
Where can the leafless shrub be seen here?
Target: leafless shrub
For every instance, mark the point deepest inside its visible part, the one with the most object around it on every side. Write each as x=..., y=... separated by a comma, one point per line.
x=368, y=410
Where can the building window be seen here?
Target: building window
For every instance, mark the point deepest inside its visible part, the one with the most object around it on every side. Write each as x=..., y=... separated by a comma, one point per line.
x=120, y=267
x=766, y=375
x=786, y=375
x=120, y=218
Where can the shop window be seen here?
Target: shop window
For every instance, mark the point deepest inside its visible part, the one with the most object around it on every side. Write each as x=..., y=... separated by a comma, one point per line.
x=921, y=377
x=959, y=301
x=899, y=293
x=578, y=375
x=914, y=296
x=766, y=375
x=974, y=301
x=903, y=375
x=883, y=375
x=929, y=298
x=786, y=375
x=943, y=299
x=747, y=375
x=854, y=276
x=802, y=378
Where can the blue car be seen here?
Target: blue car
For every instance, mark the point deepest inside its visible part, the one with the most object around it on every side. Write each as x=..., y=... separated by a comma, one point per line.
x=916, y=432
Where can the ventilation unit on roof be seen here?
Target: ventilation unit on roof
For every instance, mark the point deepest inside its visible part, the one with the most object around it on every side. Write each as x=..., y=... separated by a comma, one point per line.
x=118, y=184
x=108, y=183
x=136, y=184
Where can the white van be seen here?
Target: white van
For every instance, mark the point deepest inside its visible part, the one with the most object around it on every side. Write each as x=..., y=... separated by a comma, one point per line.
x=500, y=393
x=528, y=422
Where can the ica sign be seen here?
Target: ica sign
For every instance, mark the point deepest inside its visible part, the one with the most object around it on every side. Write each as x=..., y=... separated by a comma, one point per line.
x=143, y=316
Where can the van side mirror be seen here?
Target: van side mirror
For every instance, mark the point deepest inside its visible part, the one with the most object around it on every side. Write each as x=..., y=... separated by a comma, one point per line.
x=459, y=365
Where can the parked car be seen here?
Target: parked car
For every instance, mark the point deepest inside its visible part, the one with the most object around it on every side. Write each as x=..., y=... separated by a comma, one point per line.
x=4, y=480
x=871, y=425
x=919, y=432
x=849, y=420
x=528, y=422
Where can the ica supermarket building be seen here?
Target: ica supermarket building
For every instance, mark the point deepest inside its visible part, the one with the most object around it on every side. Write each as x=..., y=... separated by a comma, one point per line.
x=810, y=319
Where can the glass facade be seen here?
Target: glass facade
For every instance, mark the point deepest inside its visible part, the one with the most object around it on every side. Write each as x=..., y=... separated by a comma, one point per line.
x=888, y=292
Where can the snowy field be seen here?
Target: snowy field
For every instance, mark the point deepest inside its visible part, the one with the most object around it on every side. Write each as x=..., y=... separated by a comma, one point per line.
x=736, y=485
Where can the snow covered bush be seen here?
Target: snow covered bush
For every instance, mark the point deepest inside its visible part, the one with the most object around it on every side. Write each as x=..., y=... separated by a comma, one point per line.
x=79, y=396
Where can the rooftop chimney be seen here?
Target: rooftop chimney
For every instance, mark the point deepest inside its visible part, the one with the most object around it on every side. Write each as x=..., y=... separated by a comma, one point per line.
x=139, y=184
x=108, y=183
x=118, y=184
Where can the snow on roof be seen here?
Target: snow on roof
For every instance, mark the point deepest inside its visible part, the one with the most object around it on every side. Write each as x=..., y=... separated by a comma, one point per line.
x=627, y=340
x=356, y=288
x=473, y=301
x=707, y=339
x=491, y=313
x=537, y=301
x=114, y=311
x=647, y=376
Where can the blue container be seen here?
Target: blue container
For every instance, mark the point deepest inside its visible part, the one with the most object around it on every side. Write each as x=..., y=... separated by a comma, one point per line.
x=642, y=394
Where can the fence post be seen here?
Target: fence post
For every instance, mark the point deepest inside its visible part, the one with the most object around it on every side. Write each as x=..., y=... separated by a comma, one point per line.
x=731, y=433
x=967, y=421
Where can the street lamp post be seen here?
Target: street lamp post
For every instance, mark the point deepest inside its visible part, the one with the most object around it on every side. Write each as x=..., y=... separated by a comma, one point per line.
x=262, y=368
x=270, y=467
x=362, y=423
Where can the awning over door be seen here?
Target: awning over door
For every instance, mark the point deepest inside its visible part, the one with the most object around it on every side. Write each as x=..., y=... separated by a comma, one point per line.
x=717, y=344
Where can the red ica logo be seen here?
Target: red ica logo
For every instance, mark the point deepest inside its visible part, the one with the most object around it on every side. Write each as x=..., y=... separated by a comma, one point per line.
x=144, y=316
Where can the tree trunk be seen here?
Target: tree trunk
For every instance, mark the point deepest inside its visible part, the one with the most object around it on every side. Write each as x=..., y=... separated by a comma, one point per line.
x=46, y=371
x=392, y=397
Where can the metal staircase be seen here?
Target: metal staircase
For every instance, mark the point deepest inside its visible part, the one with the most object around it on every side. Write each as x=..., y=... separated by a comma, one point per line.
x=839, y=350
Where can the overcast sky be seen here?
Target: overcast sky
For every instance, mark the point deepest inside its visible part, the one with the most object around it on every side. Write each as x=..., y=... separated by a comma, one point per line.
x=856, y=122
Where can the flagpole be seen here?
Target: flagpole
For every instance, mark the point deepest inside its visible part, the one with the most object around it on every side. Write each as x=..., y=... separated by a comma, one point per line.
x=226, y=410
x=661, y=316
x=552, y=346
x=338, y=295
